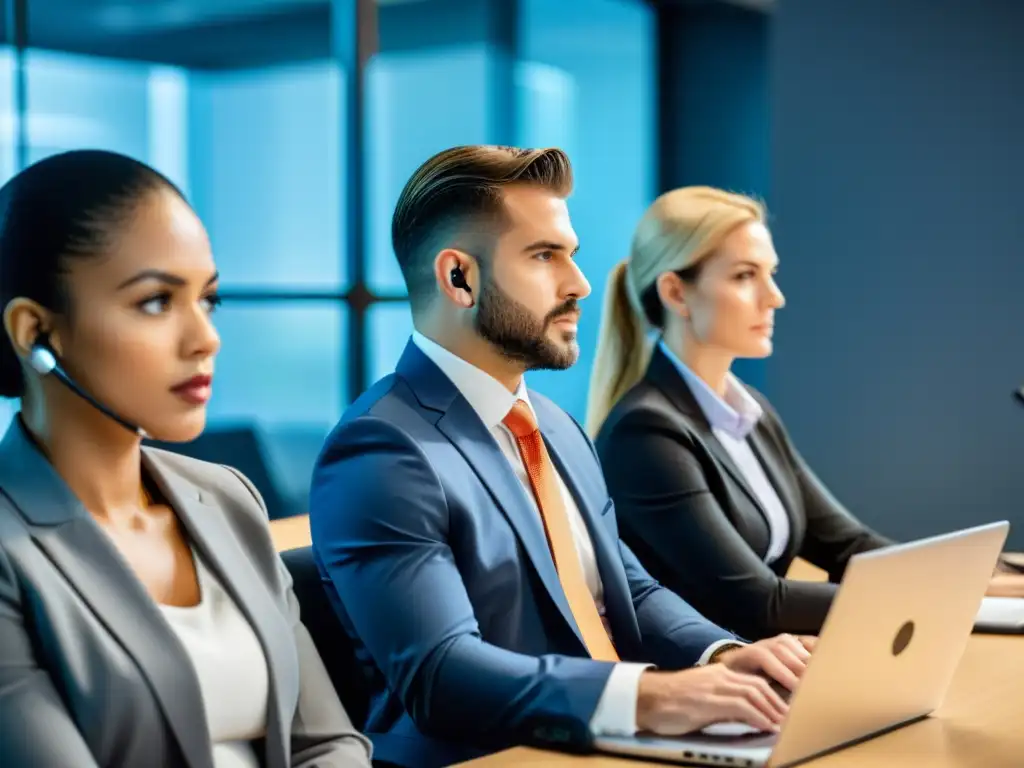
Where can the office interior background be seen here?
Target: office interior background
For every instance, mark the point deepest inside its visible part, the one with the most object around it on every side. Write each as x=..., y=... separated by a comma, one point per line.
x=884, y=136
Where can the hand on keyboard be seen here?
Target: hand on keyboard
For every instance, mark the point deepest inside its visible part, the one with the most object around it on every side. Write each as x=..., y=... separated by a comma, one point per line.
x=674, y=703
x=782, y=658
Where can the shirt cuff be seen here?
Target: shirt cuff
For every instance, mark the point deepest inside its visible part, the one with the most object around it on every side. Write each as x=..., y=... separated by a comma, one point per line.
x=710, y=650
x=616, y=710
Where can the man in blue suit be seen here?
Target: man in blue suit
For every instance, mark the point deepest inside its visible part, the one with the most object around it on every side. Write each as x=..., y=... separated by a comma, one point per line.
x=462, y=524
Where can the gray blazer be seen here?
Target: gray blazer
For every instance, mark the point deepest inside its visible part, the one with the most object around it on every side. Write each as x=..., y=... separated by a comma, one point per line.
x=90, y=672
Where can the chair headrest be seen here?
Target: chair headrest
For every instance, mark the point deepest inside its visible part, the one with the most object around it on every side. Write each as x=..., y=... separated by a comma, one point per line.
x=333, y=644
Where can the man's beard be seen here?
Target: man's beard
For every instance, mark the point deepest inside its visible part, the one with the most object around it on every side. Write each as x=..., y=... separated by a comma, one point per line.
x=519, y=335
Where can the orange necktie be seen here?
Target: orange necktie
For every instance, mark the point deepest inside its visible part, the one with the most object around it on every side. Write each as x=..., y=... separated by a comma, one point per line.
x=521, y=423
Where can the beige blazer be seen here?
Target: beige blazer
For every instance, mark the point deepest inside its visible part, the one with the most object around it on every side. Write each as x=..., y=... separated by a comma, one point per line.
x=90, y=672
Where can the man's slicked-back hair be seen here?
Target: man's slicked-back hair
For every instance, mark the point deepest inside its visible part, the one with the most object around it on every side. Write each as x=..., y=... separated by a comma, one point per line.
x=460, y=190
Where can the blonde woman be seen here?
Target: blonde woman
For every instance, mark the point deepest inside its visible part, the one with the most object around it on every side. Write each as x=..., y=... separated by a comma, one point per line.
x=711, y=493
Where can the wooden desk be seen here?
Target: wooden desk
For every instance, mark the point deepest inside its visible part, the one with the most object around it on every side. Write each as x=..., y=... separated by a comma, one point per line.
x=290, y=532
x=981, y=725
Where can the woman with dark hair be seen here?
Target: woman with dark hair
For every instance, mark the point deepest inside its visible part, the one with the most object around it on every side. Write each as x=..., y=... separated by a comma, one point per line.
x=145, y=617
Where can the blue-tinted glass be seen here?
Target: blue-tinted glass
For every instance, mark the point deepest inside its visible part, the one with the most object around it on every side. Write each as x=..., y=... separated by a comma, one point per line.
x=240, y=103
x=8, y=138
x=547, y=106
x=418, y=102
x=265, y=148
x=7, y=410
x=280, y=374
x=245, y=115
x=586, y=83
x=389, y=329
x=8, y=118
x=280, y=362
x=79, y=101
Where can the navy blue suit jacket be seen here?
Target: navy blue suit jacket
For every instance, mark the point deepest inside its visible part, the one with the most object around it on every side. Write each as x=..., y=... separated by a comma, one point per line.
x=437, y=564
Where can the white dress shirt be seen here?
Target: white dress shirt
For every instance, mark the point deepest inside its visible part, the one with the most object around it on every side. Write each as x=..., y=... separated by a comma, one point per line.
x=616, y=711
x=732, y=419
x=231, y=668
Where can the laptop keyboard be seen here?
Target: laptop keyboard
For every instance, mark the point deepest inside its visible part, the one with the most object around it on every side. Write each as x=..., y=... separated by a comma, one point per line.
x=784, y=693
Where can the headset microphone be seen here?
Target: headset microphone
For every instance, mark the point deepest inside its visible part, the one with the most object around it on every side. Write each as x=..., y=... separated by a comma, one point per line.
x=44, y=362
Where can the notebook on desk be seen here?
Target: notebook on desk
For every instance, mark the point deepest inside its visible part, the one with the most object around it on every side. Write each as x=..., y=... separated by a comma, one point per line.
x=1000, y=615
x=891, y=642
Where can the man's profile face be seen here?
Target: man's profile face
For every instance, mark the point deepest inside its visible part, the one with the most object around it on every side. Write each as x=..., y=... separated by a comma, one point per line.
x=530, y=286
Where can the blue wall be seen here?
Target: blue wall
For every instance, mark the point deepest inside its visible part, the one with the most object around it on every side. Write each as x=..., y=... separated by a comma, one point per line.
x=716, y=107
x=896, y=190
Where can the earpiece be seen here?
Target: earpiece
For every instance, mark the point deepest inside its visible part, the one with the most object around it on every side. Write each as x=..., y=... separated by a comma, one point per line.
x=41, y=357
x=459, y=280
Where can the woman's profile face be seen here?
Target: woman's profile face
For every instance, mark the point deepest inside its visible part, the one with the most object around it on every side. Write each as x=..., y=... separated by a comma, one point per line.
x=138, y=335
x=732, y=305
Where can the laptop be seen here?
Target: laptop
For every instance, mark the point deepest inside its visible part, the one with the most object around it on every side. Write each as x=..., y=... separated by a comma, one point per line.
x=886, y=654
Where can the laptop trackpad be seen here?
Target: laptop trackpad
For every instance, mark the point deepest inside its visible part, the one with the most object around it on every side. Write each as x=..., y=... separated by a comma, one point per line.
x=729, y=729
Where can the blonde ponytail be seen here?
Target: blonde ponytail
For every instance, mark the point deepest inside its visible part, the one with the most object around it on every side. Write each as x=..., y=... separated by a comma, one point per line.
x=678, y=231
x=623, y=350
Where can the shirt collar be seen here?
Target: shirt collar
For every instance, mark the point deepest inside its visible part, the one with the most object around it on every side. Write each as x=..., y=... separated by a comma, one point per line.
x=484, y=393
x=736, y=415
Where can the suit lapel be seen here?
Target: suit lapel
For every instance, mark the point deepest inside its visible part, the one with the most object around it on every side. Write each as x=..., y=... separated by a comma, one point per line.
x=617, y=597
x=474, y=441
x=92, y=565
x=663, y=374
x=219, y=547
x=461, y=425
x=725, y=459
x=778, y=477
